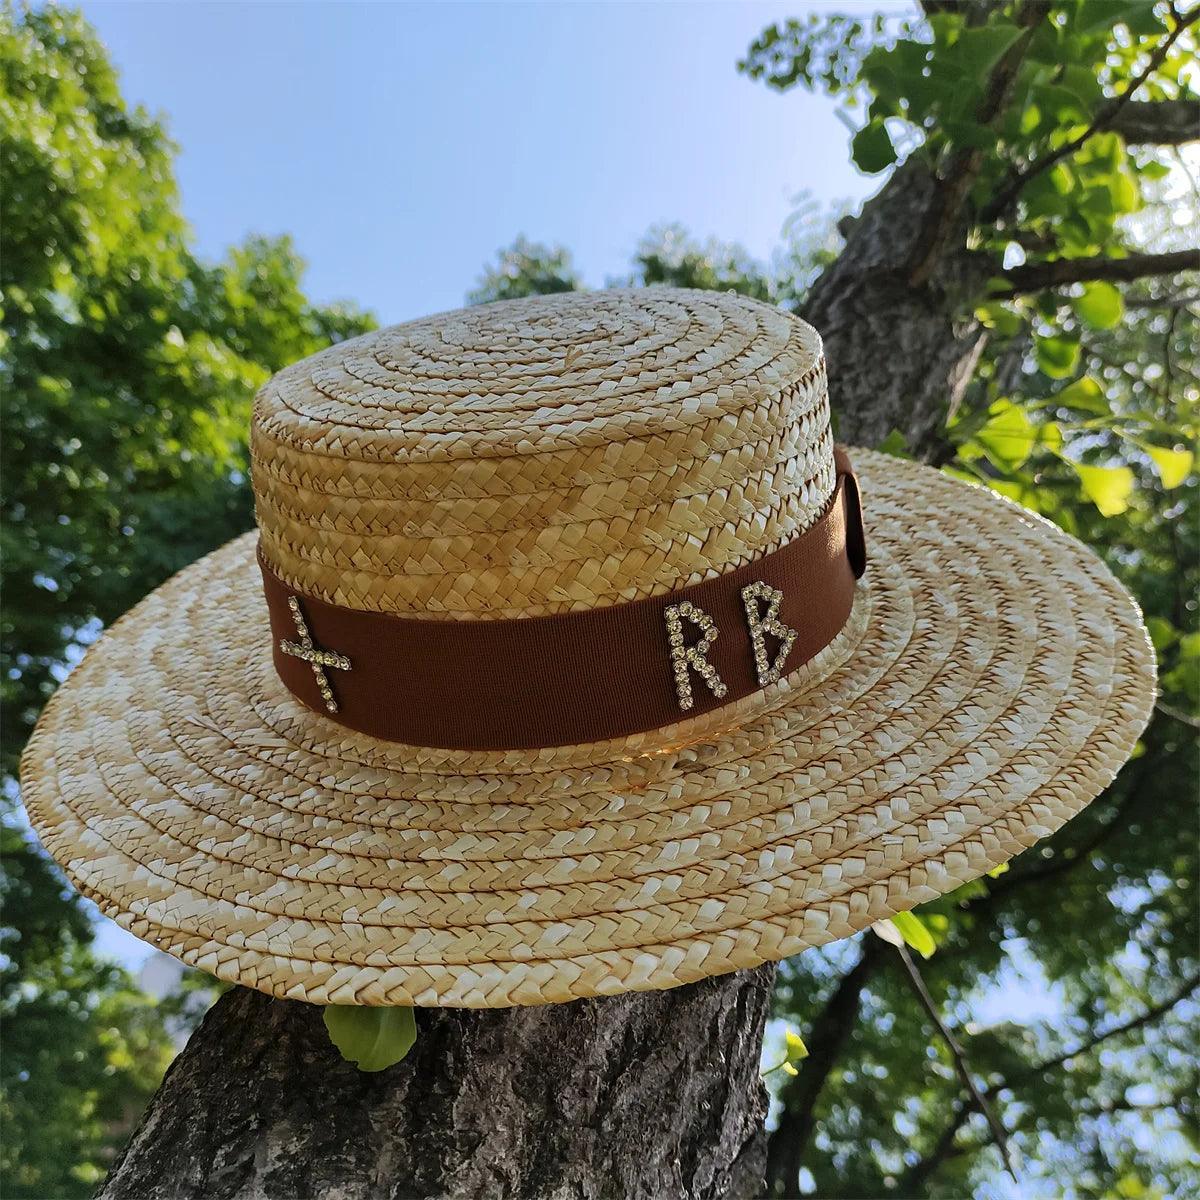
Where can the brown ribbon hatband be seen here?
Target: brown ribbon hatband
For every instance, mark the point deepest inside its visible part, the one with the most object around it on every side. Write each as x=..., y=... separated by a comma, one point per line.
x=575, y=677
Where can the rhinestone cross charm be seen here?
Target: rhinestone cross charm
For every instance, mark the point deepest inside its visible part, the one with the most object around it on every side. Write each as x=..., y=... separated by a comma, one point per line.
x=307, y=650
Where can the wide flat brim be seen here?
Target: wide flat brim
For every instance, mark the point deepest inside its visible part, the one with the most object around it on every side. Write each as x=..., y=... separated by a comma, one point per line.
x=991, y=680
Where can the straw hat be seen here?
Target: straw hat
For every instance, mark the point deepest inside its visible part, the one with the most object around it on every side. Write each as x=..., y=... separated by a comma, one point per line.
x=580, y=468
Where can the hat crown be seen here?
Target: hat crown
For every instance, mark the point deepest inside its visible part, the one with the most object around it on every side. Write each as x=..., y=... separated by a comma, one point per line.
x=543, y=455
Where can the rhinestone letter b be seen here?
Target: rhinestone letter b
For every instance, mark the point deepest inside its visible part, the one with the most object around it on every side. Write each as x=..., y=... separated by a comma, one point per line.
x=683, y=656
x=763, y=623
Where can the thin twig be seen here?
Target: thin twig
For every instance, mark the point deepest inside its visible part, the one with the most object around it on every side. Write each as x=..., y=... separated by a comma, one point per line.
x=960, y=1059
x=944, y=1146
x=1168, y=377
x=1181, y=993
x=1182, y=300
x=1176, y=714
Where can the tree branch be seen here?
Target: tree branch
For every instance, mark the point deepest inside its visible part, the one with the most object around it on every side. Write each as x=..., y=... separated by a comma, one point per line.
x=1104, y=118
x=1183, y=300
x=978, y=1099
x=1035, y=277
x=944, y=1147
x=827, y=1038
x=1158, y=122
x=956, y=183
x=1151, y=1014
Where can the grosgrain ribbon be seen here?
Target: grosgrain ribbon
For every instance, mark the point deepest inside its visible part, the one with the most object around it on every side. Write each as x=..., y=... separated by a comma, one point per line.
x=569, y=678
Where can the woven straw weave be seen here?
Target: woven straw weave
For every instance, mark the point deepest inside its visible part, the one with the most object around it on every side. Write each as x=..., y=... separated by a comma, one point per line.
x=543, y=456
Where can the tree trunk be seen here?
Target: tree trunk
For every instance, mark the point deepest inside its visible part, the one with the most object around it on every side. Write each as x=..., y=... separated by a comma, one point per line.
x=653, y=1094
x=900, y=353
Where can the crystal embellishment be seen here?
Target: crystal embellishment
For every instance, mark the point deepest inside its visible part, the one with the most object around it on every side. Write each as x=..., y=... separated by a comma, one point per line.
x=762, y=623
x=308, y=651
x=694, y=657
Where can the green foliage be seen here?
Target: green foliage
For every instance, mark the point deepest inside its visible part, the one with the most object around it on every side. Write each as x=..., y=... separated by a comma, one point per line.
x=127, y=369
x=670, y=256
x=1099, y=305
x=872, y=148
x=526, y=269
x=818, y=52
x=794, y=1051
x=83, y=1048
x=372, y=1038
x=128, y=366
x=1084, y=407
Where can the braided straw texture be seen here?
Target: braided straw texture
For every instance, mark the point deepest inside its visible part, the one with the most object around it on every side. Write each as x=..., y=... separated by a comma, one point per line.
x=543, y=455
x=990, y=682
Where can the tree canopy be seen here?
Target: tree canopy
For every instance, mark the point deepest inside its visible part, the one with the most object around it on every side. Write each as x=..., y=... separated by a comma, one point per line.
x=128, y=368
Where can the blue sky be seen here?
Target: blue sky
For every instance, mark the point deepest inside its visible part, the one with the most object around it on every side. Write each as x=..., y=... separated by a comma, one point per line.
x=402, y=144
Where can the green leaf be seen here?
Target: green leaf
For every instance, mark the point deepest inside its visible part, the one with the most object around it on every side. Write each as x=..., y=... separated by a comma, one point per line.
x=1086, y=395
x=1000, y=317
x=1058, y=104
x=1141, y=20
x=374, y=1038
x=1008, y=437
x=1057, y=356
x=1162, y=632
x=1104, y=14
x=978, y=50
x=796, y=1049
x=1100, y=306
x=872, y=148
x=912, y=929
x=1173, y=466
x=1124, y=192
x=1108, y=488
x=895, y=444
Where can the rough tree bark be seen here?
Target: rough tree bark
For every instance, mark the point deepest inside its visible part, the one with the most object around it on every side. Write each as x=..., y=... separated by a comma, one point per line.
x=900, y=353
x=648, y=1095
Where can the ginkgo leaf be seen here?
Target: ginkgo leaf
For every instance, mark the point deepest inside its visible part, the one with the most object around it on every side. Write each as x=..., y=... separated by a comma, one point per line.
x=1100, y=305
x=1056, y=356
x=1173, y=466
x=1008, y=437
x=373, y=1038
x=1108, y=488
x=1084, y=394
x=912, y=929
x=906, y=929
x=796, y=1049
